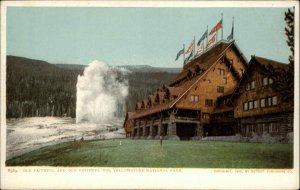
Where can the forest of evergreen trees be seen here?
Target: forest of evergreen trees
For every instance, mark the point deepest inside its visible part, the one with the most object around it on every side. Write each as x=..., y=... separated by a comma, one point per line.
x=37, y=88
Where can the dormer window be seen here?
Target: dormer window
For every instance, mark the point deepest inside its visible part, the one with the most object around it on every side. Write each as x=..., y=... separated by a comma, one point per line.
x=194, y=99
x=267, y=81
x=220, y=89
x=245, y=106
x=242, y=71
x=252, y=84
x=221, y=72
x=248, y=86
x=270, y=81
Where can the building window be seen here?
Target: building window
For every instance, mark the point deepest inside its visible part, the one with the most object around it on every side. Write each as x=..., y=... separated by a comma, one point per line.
x=266, y=127
x=269, y=101
x=252, y=84
x=220, y=89
x=225, y=80
x=208, y=102
x=270, y=81
x=245, y=106
x=250, y=105
x=205, y=115
x=274, y=100
x=262, y=103
x=265, y=81
x=255, y=104
x=248, y=86
x=274, y=127
x=260, y=128
x=194, y=98
x=221, y=72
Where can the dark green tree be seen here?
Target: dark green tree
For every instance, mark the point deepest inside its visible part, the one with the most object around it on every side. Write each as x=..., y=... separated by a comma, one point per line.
x=289, y=31
x=284, y=79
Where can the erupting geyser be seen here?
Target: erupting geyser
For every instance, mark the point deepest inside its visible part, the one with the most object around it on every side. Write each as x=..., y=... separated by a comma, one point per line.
x=100, y=93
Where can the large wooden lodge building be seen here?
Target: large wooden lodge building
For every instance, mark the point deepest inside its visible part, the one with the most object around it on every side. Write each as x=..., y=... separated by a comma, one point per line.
x=216, y=94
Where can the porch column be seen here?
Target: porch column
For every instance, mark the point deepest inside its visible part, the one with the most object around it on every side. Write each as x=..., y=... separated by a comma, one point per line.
x=199, y=131
x=171, y=132
x=144, y=129
x=132, y=132
x=151, y=130
x=159, y=129
x=138, y=129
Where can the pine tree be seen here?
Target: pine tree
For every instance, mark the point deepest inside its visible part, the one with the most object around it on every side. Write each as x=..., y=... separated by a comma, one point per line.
x=289, y=31
x=284, y=79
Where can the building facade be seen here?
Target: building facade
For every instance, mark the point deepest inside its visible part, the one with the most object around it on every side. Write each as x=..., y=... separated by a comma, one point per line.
x=183, y=108
x=216, y=94
x=258, y=107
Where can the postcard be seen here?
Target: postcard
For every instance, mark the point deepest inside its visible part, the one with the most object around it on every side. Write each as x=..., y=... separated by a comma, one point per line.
x=149, y=95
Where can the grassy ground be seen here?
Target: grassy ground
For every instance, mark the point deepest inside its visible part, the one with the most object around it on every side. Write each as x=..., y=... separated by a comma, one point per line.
x=149, y=153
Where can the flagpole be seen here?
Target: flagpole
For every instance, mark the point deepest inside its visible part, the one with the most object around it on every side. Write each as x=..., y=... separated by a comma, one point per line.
x=222, y=25
x=206, y=37
x=232, y=27
x=194, y=47
x=183, y=54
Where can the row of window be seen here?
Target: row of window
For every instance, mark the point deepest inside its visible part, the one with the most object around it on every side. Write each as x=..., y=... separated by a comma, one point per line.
x=265, y=82
x=220, y=89
x=224, y=80
x=261, y=128
x=205, y=115
x=194, y=98
x=221, y=72
x=208, y=102
x=264, y=102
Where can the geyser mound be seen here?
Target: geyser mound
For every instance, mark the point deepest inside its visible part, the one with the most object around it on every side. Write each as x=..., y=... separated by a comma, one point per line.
x=101, y=93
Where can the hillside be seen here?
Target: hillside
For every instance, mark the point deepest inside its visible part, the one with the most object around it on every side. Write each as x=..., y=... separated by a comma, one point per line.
x=39, y=88
x=147, y=68
x=132, y=68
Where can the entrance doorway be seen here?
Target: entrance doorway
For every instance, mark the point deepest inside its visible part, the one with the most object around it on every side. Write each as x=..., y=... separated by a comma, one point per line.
x=185, y=131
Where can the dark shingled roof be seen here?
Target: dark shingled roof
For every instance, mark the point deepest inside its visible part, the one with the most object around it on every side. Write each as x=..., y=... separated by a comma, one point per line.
x=204, y=61
x=174, y=91
x=151, y=98
x=178, y=87
x=266, y=62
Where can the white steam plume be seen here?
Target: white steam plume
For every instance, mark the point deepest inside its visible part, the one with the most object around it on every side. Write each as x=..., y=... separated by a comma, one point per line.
x=99, y=93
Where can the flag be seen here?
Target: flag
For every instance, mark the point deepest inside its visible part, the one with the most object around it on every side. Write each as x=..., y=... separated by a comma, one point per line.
x=202, y=38
x=211, y=41
x=179, y=54
x=191, y=47
x=189, y=57
x=230, y=37
x=216, y=28
x=200, y=49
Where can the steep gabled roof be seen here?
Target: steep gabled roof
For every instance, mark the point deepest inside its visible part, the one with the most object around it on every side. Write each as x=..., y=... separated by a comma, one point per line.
x=138, y=105
x=145, y=103
x=151, y=98
x=160, y=96
x=204, y=62
x=261, y=62
x=265, y=62
x=129, y=116
x=174, y=91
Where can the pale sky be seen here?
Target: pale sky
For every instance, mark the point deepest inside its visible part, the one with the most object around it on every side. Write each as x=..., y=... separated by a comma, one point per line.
x=137, y=36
